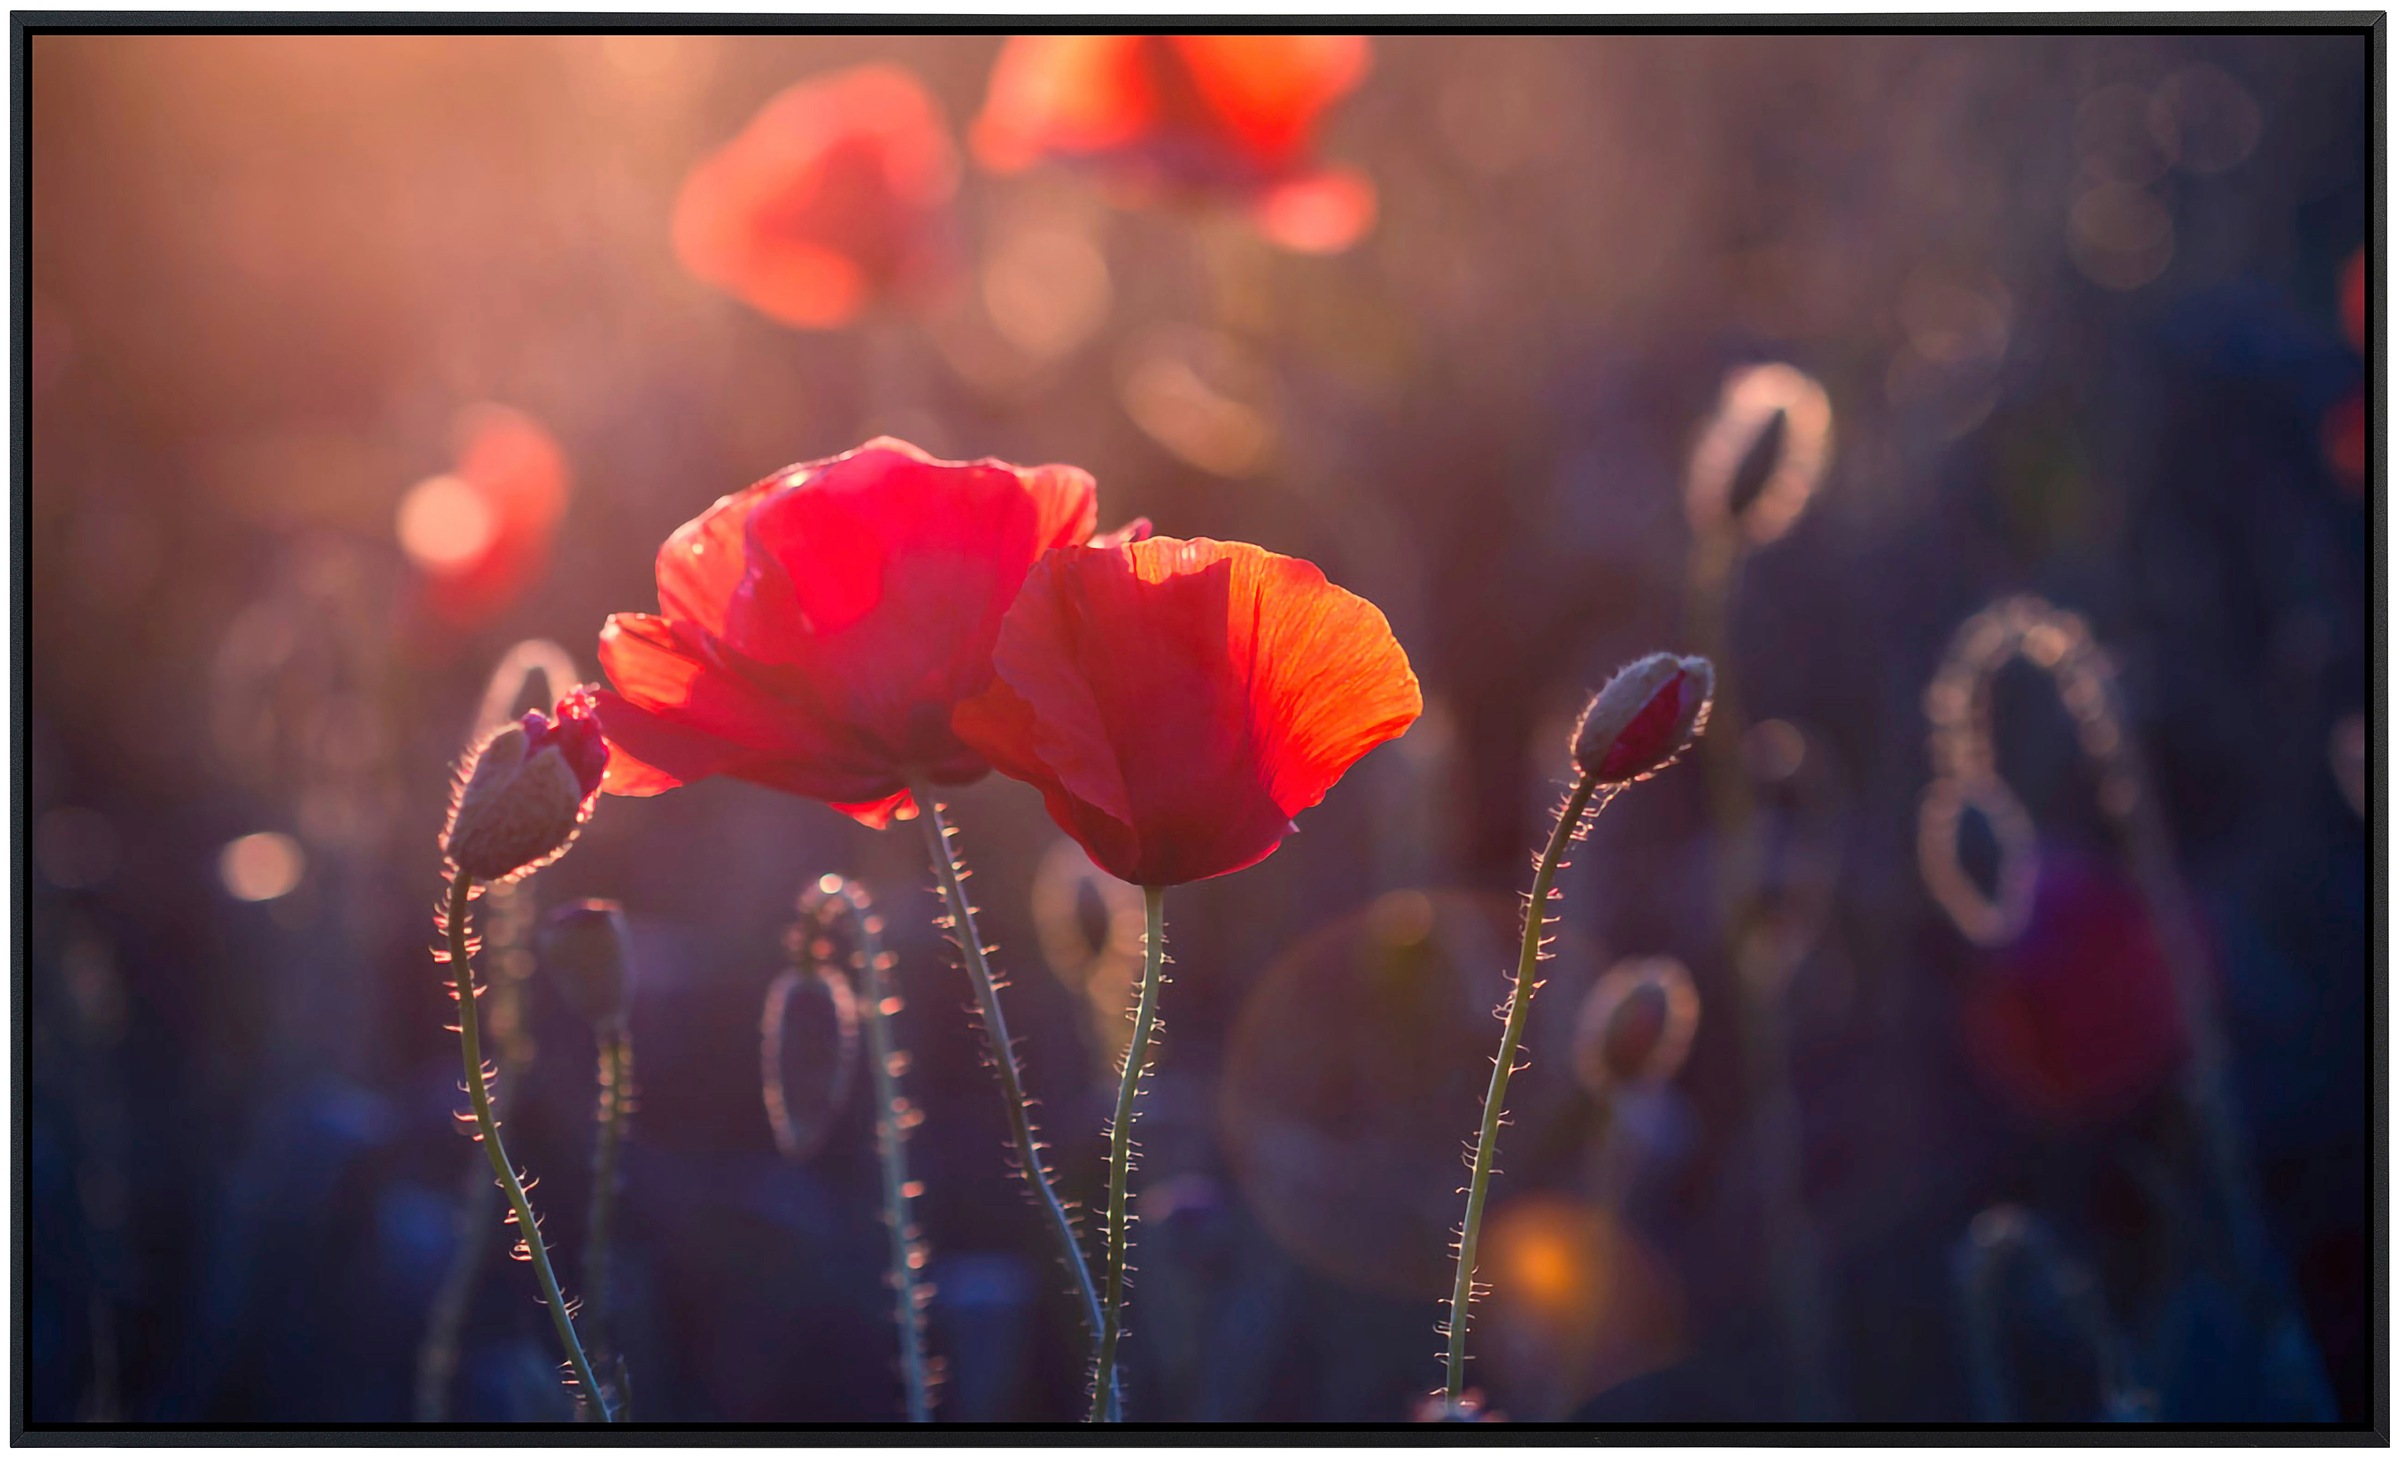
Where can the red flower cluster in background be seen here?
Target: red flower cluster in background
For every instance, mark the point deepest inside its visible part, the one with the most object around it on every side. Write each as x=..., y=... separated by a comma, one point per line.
x=1231, y=115
x=1177, y=703
x=815, y=630
x=480, y=533
x=832, y=197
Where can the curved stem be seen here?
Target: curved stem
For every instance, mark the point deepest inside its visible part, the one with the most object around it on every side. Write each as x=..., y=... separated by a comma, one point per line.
x=1512, y=1036
x=616, y=1093
x=1004, y=1055
x=529, y=1233
x=891, y=1133
x=1120, y=1151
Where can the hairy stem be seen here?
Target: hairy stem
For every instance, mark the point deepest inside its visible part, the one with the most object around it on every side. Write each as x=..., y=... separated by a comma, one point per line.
x=891, y=1135
x=1495, y=1099
x=1120, y=1152
x=529, y=1231
x=437, y=1354
x=1003, y=1050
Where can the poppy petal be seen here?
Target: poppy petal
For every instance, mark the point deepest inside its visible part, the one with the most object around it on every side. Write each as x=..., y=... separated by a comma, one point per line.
x=662, y=669
x=650, y=754
x=882, y=583
x=1186, y=697
x=1002, y=727
x=1330, y=681
x=876, y=814
x=701, y=564
x=1270, y=90
x=1071, y=94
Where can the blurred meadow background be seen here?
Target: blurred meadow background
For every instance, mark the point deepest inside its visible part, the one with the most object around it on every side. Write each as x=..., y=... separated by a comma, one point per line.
x=358, y=361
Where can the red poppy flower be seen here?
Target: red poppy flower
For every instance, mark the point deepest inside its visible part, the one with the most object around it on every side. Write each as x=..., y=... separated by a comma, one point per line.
x=1235, y=114
x=1177, y=703
x=816, y=630
x=480, y=533
x=2076, y=1020
x=830, y=197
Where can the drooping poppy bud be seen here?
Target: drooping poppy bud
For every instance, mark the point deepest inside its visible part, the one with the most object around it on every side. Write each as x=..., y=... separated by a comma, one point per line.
x=808, y=1053
x=1643, y=718
x=524, y=792
x=1636, y=1025
x=586, y=951
x=1763, y=451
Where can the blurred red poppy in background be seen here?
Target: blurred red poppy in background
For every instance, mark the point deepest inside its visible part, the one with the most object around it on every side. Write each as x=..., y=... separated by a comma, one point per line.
x=479, y=534
x=833, y=196
x=1228, y=114
x=2354, y=299
x=816, y=629
x=2076, y=1020
x=2345, y=426
x=1177, y=703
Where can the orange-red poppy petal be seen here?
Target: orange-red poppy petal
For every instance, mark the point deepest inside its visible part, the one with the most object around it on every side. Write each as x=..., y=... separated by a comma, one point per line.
x=1178, y=702
x=1329, y=681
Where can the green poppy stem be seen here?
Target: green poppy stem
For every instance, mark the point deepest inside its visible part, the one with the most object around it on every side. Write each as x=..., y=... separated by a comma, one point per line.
x=1495, y=1099
x=529, y=1230
x=1120, y=1151
x=1003, y=1050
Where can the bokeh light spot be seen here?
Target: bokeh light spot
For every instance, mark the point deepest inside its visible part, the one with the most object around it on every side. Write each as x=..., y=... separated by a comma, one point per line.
x=446, y=524
x=261, y=867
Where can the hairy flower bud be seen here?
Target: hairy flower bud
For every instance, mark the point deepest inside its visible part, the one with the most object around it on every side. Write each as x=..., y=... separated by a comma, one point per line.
x=586, y=951
x=1644, y=717
x=1636, y=1025
x=524, y=792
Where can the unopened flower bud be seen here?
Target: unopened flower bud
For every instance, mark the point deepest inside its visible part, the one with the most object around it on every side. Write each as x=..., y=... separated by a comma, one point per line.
x=524, y=792
x=1636, y=1025
x=1644, y=717
x=587, y=954
x=1762, y=453
x=808, y=1041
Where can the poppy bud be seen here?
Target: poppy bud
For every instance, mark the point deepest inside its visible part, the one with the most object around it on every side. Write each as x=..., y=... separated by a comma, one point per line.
x=808, y=1056
x=524, y=792
x=585, y=950
x=1637, y=1024
x=1644, y=717
x=1762, y=453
